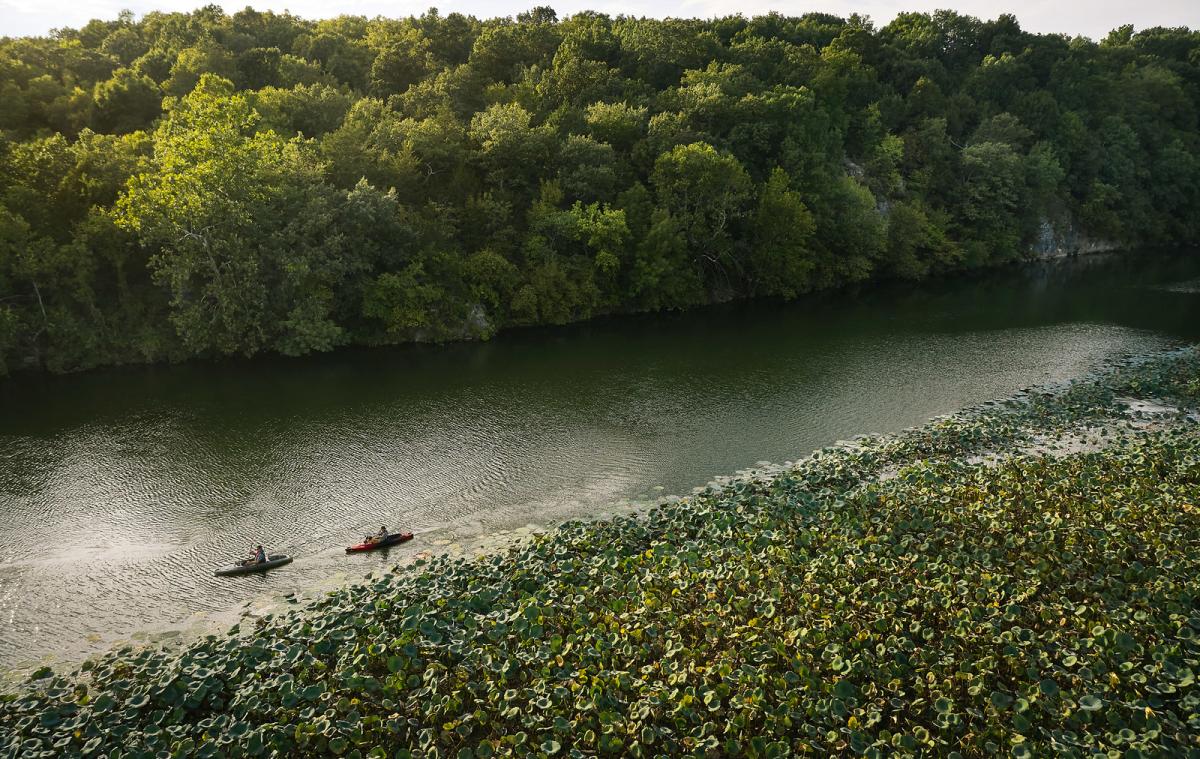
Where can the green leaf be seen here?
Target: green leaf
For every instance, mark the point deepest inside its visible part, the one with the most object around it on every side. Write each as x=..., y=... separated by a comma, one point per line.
x=1090, y=703
x=844, y=689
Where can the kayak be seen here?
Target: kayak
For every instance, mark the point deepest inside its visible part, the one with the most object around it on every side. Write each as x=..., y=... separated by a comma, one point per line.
x=393, y=539
x=276, y=560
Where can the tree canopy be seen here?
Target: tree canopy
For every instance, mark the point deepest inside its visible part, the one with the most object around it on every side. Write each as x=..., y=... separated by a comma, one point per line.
x=205, y=184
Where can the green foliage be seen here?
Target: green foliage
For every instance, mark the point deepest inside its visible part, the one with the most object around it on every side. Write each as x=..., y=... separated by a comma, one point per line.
x=851, y=233
x=664, y=276
x=402, y=58
x=884, y=598
x=242, y=230
x=765, y=156
x=404, y=301
x=781, y=260
x=618, y=124
x=8, y=337
x=993, y=189
x=706, y=193
x=491, y=279
x=511, y=150
x=126, y=102
x=193, y=63
x=917, y=242
x=308, y=110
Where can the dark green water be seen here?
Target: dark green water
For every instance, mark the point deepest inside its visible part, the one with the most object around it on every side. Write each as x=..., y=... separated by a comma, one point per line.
x=121, y=490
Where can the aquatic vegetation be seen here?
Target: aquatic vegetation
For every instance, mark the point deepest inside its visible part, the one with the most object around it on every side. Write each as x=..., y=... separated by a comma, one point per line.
x=1042, y=604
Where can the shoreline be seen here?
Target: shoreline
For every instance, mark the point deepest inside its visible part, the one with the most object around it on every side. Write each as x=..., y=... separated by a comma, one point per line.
x=454, y=542
x=1058, y=256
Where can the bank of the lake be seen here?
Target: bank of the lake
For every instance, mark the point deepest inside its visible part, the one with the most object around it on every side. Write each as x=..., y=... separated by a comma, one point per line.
x=1020, y=577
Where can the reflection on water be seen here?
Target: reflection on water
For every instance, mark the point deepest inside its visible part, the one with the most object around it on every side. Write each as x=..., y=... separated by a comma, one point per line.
x=121, y=490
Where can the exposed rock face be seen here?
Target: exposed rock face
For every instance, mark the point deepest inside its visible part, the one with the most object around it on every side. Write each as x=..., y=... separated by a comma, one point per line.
x=1063, y=238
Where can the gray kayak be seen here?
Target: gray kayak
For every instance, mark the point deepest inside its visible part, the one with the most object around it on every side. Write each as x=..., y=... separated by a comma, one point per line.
x=275, y=560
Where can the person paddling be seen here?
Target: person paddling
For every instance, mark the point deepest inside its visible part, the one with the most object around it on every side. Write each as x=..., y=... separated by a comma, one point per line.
x=257, y=556
x=383, y=533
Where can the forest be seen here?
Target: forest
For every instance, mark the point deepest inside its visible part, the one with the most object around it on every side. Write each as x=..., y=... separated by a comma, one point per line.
x=211, y=184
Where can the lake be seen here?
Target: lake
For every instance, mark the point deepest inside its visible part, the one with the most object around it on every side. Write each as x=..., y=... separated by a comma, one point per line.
x=121, y=490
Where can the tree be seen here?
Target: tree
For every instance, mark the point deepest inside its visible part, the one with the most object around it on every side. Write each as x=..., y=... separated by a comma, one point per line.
x=9, y=331
x=242, y=227
x=491, y=279
x=588, y=170
x=195, y=62
x=780, y=260
x=851, y=231
x=510, y=148
x=917, y=242
x=371, y=144
x=259, y=67
x=663, y=275
x=705, y=192
x=993, y=187
x=618, y=124
x=402, y=59
x=127, y=102
x=310, y=110
x=406, y=303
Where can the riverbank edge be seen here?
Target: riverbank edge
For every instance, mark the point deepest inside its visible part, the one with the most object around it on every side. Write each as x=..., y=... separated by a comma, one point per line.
x=1124, y=399
x=1032, y=258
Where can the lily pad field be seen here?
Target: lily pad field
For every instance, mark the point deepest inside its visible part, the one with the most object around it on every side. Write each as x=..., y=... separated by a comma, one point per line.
x=1021, y=578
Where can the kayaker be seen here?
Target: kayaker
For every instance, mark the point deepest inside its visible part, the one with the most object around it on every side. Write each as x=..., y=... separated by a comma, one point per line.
x=383, y=533
x=257, y=556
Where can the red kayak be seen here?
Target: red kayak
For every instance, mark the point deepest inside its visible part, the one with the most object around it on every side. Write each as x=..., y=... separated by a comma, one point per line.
x=394, y=539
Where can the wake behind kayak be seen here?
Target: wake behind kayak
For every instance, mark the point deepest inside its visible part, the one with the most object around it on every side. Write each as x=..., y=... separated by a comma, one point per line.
x=277, y=560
